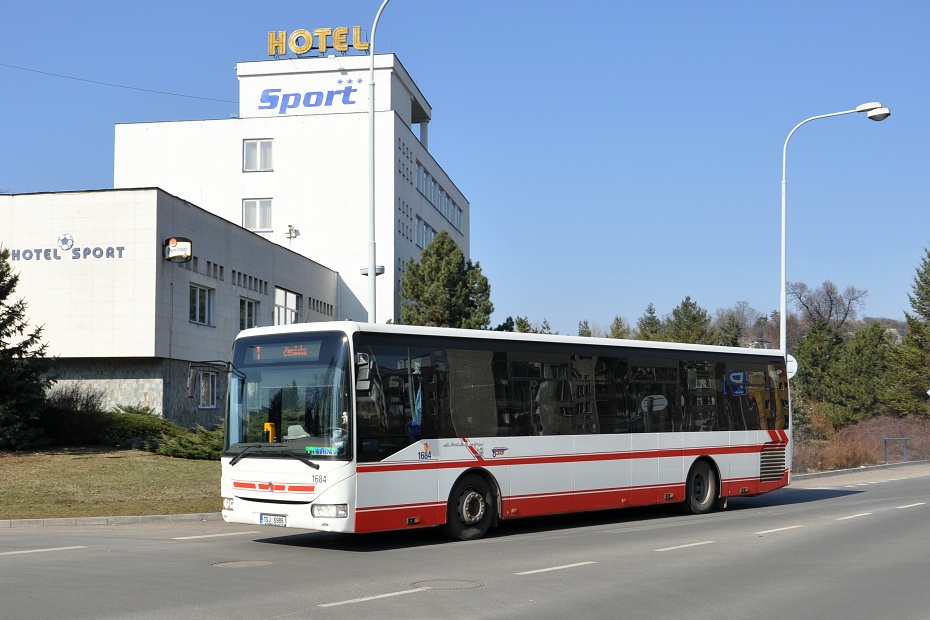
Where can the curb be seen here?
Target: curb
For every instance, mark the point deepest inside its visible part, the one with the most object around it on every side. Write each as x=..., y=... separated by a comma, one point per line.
x=839, y=472
x=204, y=516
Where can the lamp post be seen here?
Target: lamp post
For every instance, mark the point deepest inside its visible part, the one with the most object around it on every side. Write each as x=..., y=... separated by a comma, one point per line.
x=875, y=112
x=372, y=267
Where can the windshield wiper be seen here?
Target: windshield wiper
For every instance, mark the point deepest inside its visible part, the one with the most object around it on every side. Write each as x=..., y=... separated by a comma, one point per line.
x=279, y=447
x=303, y=460
x=242, y=453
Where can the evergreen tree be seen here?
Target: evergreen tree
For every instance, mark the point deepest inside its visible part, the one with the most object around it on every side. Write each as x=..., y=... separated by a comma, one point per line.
x=444, y=289
x=648, y=326
x=23, y=366
x=584, y=329
x=731, y=333
x=853, y=389
x=690, y=323
x=619, y=328
x=816, y=354
x=507, y=326
x=910, y=376
x=524, y=326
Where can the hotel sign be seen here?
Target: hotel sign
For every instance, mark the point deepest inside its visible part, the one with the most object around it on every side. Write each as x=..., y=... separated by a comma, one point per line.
x=66, y=249
x=302, y=41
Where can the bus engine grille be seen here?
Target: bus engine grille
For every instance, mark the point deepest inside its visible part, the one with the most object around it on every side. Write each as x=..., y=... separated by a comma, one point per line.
x=772, y=467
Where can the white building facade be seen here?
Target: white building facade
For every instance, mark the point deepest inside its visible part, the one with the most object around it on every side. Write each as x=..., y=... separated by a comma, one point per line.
x=123, y=320
x=294, y=168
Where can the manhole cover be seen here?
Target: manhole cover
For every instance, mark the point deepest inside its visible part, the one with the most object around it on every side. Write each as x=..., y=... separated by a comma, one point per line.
x=447, y=584
x=241, y=564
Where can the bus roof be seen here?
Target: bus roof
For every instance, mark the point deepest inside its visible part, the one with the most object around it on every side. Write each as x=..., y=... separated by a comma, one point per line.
x=350, y=327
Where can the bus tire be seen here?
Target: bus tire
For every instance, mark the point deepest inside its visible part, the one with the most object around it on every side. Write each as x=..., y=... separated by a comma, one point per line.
x=701, y=489
x=470, y=510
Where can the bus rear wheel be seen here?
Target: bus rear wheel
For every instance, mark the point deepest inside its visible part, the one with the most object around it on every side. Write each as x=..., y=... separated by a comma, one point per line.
x=470, y=510
x=701, y=489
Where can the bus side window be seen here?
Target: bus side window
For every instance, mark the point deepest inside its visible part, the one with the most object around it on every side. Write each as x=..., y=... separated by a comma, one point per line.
x=472, y=402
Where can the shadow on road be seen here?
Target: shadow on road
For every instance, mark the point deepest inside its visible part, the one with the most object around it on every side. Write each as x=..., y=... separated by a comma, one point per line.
x=788, y=496
x=549, y=525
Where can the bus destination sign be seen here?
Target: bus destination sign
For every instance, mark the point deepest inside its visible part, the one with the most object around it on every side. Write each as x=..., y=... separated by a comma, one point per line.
x=309, y=351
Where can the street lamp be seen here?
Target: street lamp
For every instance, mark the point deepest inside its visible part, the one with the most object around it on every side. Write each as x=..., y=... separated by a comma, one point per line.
x=372, y=267
x=876, y=112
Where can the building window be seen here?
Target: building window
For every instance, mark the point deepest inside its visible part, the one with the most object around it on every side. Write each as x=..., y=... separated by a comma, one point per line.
x=256, y=155
x=201, y=301
x=286, y=307
x=425, y=233
x=256, y=214
x=248, y=313
x=207, y=390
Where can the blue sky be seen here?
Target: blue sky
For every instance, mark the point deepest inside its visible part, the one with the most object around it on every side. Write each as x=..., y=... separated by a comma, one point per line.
x=614, y=153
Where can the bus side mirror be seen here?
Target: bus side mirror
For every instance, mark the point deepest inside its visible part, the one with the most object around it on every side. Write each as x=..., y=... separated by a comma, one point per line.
x=362, y=372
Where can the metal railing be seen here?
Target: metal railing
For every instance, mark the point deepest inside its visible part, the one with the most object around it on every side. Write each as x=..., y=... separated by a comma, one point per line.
x=887, y=439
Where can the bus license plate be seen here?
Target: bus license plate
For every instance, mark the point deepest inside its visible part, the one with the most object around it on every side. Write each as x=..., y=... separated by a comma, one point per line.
x=278, y=520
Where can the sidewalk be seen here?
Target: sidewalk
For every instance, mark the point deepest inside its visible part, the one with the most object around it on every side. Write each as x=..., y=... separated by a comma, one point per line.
x=205, y=516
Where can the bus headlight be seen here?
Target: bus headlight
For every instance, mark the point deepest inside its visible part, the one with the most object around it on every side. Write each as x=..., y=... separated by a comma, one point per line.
x=330, y=511
x=227, y=503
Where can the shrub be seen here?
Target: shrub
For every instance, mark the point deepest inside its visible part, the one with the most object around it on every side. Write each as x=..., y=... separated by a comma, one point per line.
x=862, y=444
x=139, y=409
x=197, y=443
x=73, y=415
x=145, y=428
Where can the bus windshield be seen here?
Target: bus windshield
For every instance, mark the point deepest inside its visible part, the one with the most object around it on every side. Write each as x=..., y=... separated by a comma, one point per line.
x=292, y=395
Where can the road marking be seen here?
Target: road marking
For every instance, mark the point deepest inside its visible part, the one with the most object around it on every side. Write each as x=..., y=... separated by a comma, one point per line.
x=780, y=529
x=546, y=570
x=913, y=505
x=372, y=598
x=861, y=514
x=697, y=544
x=215, y=535
x=41, y=550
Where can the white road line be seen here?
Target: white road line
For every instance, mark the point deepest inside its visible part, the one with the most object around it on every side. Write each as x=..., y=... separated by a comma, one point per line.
x=41, y=550
x=546, y=570
x=780, y=529
x=697, y=544
x=372, y=598
x=215, y=535
x=861, y=514
x=913, y=505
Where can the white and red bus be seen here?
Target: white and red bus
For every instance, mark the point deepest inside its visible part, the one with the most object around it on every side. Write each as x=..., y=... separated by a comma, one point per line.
x=352, y=427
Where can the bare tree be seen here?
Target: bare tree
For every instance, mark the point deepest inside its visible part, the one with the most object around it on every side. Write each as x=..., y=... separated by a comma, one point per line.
x=826, y=303
x=744, y=316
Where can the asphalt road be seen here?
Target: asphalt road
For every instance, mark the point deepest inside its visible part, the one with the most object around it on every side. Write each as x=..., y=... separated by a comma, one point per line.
x=855, y=545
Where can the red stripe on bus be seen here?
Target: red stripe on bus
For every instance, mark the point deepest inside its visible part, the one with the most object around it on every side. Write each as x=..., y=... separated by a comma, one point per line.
x=274, y=487
x=401, y=517
x=560, y=458
x=406, y=516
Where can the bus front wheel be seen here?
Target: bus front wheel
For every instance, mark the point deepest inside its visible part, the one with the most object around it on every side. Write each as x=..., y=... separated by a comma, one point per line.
x=701, y=489
x=470, y=510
